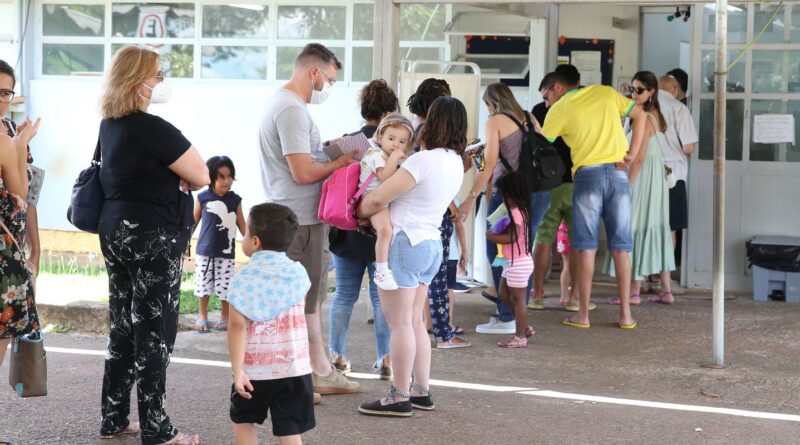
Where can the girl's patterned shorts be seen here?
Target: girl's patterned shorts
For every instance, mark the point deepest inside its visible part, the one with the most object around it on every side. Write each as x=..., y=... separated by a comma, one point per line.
x=213, y=275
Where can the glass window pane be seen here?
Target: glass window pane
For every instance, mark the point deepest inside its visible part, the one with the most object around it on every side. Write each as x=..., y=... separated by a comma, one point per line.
x=768, y=72
x=287, y=55
x=72, y=60
x=733, y=130
x=152, y=20
x=422, y=22
x=774, y=31
x=362, y=64
x=363, y=16
x=234, y=62
x=794, y=35
x=236, y=20
x=735, y=77
x=421, y=54
x=176, y=60
x=312, y=22
x=794, y=71
x=73, y=20
x=776, y=152
x=737, y=23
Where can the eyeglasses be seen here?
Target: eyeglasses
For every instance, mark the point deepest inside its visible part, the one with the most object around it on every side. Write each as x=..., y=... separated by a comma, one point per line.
x=6, y=96
x=546, y=93
x=638, y=90
x=327, y=79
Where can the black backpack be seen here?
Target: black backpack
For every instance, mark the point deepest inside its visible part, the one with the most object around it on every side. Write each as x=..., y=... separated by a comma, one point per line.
x=539, y=161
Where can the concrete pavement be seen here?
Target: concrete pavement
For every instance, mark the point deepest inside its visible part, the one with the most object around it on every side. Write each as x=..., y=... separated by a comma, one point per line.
x=657, y=362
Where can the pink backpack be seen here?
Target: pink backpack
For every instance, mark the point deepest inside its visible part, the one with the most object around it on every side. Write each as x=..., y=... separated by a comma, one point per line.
x=340, y=197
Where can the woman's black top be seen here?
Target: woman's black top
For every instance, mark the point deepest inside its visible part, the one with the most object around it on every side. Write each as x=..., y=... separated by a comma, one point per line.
x=136, y=151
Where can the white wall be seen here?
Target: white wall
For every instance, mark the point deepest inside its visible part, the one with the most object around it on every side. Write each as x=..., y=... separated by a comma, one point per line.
x=594, y=22
x=661, y=42
x=8, y=31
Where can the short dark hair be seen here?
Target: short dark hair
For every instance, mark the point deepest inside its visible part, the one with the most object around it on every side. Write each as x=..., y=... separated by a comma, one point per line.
x=274, y=224
x=316, y=52
x=570, y=72
x=428, y=91
x=682, y=78
x=214, y=163
x=377, y=98
x=446, y=125
x=6, y=69
x=553, y=78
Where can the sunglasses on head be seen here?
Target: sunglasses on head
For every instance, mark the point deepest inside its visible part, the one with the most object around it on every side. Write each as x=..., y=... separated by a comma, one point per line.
x=638, y=90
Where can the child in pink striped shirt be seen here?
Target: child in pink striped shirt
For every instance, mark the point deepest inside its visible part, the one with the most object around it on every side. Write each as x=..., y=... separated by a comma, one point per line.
x=517, y=246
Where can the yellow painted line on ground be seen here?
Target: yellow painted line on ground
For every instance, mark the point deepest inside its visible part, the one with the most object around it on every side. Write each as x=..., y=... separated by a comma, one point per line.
x=518, y=390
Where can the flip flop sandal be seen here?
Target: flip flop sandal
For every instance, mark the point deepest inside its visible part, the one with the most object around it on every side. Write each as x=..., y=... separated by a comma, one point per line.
x=661, y=299
x=536, y=306
x=569, y=322
x=577, y=307
x=221, y=326
x=201, y=326
x=132, y=428
x=627, y=326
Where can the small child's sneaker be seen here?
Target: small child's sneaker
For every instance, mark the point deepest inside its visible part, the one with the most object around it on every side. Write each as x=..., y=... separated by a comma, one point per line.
x=385, y=280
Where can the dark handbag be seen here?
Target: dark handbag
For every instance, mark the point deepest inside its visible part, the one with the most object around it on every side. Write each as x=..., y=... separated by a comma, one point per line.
x=27, y=372
x=87, y=197
x=539, y=161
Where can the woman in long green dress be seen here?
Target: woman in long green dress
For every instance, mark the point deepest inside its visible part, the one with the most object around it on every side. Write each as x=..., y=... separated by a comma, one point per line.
x=652, y=239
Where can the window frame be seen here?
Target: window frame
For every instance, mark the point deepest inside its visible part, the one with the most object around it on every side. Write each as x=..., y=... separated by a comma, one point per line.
x=271, y=42
x=748, y=96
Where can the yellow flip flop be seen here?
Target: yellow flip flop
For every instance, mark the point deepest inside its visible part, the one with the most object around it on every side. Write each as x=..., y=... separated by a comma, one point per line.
x=569, y=322
x=627, y=326
x=536, y=306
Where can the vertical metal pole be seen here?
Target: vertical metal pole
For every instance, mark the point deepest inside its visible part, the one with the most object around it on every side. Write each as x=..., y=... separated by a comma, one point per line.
x=720, y=105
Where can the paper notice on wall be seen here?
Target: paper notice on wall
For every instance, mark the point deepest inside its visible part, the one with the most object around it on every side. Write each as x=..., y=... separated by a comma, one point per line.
x=773, y=128
x=562, y=60
x=591, y=78
x=586, y=61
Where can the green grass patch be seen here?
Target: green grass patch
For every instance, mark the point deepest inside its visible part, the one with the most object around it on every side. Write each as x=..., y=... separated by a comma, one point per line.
x=190, y=304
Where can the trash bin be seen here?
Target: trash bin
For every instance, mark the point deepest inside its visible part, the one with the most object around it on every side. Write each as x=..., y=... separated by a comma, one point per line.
x=776, y=268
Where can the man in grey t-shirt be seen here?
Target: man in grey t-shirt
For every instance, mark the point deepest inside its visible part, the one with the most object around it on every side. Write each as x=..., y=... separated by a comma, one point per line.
x=293, y=167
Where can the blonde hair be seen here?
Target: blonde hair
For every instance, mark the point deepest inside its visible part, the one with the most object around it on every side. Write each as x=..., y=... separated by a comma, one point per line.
x=394, y=120
x=502, y=100
x=130, y=67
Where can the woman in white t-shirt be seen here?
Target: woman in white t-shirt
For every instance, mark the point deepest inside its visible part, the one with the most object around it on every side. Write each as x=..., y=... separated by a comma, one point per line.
x=417, y=195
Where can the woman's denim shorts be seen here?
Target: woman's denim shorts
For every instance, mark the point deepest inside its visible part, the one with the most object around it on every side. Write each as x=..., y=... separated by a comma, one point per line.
x=414, y=265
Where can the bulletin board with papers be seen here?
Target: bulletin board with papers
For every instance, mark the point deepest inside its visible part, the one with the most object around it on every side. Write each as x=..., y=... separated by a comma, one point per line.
x=594, y=58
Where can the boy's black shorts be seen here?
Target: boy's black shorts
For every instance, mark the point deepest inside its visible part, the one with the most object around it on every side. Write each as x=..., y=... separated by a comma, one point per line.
x=290, y=402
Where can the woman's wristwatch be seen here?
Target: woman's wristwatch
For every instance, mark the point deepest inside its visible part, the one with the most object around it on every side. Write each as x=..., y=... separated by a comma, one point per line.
x=472, y=194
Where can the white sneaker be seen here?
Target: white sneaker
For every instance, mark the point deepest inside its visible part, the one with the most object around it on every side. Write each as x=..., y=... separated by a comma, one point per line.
x=677, y=289
x=385, y=280
x=496, y=326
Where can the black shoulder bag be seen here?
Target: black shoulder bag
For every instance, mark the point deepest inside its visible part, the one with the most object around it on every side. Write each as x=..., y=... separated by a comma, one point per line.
x=87, y=197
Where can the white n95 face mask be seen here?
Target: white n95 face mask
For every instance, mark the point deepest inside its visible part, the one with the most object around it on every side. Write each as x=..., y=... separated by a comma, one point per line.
x=160, y=93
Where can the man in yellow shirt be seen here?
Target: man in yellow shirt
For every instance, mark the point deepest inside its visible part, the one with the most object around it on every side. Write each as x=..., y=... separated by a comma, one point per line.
x=588, y=119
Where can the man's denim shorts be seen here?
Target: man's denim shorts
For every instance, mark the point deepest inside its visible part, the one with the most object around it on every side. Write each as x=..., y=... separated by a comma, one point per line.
x=414, y=265
x=601, y=191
